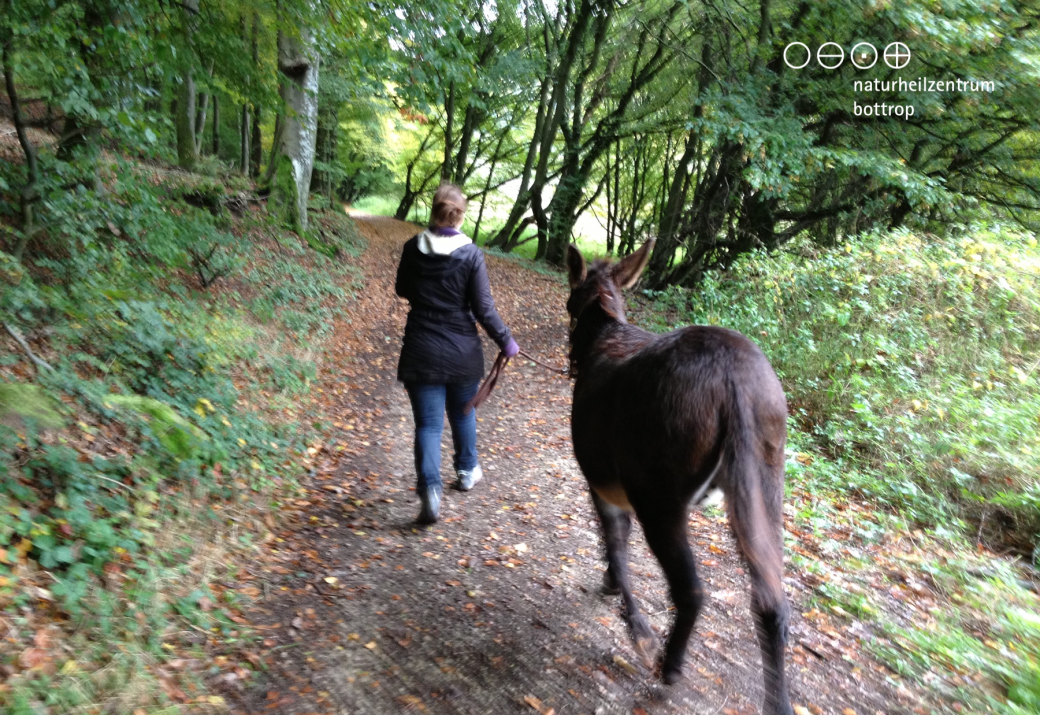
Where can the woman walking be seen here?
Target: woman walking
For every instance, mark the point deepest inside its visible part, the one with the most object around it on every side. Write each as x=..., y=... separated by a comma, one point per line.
x=443, y=276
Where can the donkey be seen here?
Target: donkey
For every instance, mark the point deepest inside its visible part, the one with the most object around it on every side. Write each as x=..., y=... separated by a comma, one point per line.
x=656, y=421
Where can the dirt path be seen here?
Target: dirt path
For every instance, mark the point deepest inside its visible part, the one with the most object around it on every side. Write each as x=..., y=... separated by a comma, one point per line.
x=497, y=608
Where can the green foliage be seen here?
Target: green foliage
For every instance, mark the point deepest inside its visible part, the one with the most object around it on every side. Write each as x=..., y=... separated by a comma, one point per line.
x=909, y=364
x=149, y=428
x=176, y=434
x=20, y=402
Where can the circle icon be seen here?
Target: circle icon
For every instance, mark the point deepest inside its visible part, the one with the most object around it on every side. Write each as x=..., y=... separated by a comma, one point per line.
x=830, y=55
x=864, y=52
x=808, y=55
x=897, y=55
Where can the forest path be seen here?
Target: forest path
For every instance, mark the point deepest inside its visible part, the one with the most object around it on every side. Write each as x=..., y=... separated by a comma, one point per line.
x=497, y=608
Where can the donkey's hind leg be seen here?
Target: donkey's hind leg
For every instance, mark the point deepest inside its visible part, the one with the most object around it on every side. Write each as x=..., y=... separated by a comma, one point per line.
x=756, y=517
x=617, y=525
x=665, y=530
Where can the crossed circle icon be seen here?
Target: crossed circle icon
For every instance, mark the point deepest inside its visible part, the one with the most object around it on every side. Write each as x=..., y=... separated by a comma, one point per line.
x=831, y=55
x=897, y=55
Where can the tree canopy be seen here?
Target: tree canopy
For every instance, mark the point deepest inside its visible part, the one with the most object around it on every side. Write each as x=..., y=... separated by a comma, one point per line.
x=670, y=119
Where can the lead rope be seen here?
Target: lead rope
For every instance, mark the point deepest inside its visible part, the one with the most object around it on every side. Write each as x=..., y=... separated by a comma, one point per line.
x=492, y=378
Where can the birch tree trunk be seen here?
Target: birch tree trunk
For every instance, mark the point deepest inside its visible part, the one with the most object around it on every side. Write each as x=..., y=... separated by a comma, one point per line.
x=298, y=62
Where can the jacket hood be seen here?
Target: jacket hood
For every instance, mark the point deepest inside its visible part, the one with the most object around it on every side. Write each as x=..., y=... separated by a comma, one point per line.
x=434, y=244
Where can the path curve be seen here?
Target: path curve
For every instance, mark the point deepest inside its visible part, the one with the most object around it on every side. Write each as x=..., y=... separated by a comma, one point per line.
x=497, y=608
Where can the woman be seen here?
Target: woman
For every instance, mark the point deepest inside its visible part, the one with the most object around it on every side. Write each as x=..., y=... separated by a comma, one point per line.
x=443, y=276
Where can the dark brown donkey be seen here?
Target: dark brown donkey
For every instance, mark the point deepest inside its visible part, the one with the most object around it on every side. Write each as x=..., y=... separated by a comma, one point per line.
x=657, y=420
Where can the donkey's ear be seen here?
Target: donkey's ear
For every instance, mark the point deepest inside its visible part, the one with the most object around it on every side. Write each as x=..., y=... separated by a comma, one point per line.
x=626, y=271
x=575, y=266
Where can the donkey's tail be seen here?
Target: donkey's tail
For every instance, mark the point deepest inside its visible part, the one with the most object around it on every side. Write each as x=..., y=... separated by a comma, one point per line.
x=755, y=490
x=754, y=495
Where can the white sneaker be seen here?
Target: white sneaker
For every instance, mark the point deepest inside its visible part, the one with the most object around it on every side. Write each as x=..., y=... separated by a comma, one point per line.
x=467, y=478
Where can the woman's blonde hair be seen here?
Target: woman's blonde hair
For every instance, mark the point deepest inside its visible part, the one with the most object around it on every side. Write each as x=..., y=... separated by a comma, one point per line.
x=448, y=206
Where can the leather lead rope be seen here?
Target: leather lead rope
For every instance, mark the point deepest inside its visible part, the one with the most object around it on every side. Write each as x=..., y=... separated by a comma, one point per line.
x=536, y=361
x=492, y=378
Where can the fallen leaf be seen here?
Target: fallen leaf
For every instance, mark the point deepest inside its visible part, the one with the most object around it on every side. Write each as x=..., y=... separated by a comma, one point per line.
x=625, y=665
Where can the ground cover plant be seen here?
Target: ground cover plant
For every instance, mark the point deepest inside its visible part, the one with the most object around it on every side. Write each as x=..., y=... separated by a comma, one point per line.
x=166, y=414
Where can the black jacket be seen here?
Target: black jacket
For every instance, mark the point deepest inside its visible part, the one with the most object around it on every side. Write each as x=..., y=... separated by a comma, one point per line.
x=447, y=293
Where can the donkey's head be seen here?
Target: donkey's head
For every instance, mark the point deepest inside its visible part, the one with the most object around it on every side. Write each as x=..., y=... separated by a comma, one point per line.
x=601, y=283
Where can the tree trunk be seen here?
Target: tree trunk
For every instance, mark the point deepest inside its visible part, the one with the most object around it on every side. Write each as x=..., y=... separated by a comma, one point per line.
x=256, y=148
x=487, y=184
x=666, y=243
x=216, y=126
x=243, y=140
x=503, y=238
x=328, y=132
x=200, y=117
x=469, y=126
x=185, y=122
x=32, y=175
x=449, y=119
x=276, y=141
x=200, y=121
x=298, y=63
x=187, y=151
x=405, y=205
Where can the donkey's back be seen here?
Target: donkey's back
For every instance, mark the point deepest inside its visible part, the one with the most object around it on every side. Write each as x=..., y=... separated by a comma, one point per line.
x=656, y=421
x=665, y=412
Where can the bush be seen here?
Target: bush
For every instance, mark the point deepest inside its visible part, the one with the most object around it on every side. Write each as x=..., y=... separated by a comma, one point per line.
x=909, y=358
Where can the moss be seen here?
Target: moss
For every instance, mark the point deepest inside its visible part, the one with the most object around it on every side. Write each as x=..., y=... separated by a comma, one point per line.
x=11, y=271
x=283, y=203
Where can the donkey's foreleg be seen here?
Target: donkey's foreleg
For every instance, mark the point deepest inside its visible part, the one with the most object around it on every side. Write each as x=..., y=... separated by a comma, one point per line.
x=665, y=531
x=617, y=525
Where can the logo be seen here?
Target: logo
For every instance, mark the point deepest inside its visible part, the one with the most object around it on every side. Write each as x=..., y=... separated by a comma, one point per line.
x=864, y=55
x=796, y=55
x=897, y=55
x=831, y=55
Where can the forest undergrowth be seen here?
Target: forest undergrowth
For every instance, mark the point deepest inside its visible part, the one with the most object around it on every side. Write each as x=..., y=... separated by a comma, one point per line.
x=156, y=406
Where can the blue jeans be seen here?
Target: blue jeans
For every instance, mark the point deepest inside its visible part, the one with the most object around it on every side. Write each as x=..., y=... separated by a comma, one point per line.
x=428, y=403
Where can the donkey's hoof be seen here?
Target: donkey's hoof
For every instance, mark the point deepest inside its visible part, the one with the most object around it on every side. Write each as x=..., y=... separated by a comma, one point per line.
x=610, y=587
x=671, y=674
x=645, y=647
x=644, y=640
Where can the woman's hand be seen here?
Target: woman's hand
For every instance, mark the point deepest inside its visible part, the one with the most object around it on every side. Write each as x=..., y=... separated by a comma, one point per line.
x=511, y=348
